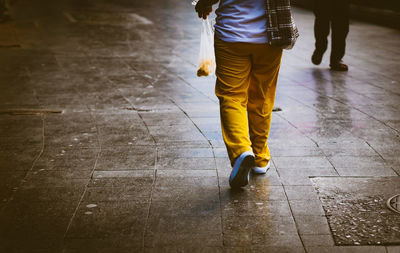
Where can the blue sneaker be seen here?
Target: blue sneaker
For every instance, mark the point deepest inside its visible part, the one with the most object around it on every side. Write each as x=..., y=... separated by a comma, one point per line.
x=240, y=172
x=262, y=170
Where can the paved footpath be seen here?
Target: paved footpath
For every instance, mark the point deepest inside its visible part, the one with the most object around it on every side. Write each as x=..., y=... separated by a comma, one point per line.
x=111, y=143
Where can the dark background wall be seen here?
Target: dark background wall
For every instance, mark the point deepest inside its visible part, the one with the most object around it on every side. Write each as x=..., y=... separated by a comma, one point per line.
x=383, y=12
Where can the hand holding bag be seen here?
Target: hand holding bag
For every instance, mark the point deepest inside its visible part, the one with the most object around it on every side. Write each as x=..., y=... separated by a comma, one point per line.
x=206, y=64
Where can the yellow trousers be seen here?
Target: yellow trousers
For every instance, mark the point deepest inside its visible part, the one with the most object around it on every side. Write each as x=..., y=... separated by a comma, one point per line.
x=247, y=75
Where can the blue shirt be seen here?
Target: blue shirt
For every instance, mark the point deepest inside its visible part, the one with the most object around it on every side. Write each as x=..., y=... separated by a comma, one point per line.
x=241, y=21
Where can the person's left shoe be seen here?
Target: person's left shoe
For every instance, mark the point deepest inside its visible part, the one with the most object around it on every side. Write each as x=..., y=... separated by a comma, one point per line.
x=261, y=170
x=316, y=57
x=241, y=169
x=339, y=66
x=4, y=17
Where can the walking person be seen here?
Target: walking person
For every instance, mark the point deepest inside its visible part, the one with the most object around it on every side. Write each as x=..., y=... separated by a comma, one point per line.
x=331, y=15
x=247, y=70
x=3, y=11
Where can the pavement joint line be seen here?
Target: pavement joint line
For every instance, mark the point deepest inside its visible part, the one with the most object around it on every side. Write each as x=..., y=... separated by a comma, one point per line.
x=97, y=156
x=138, y=109
x=219, y=194
x=300, y=57
x=154, y=140
x=31, y=168
x=350, y=106
x=141, y=19
x=151, y=200
x=351, y=75
x=382, y=157
x=30, y=111
x=187, y=115
x=276, y=169
x=315, y=109
x=194, y=87
x=29, y=75
x=315, y=142
x=215, y=164
x=353, y=177
x=104, y=174
x=355, y=77
x=306, y=105
x=69, y=17
x=10, y=46
x=129, y=102
x=294, y=218
x=184, y=59
x=304, y=134
x=327, y=157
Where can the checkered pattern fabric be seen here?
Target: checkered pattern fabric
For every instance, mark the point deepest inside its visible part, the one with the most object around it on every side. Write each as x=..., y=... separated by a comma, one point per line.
x=281, y=29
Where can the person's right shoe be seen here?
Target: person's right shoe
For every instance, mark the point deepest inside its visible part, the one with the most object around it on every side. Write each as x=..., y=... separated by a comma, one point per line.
x=316, y=58
x=339, y=66
x=262, y=170
x=240, y=172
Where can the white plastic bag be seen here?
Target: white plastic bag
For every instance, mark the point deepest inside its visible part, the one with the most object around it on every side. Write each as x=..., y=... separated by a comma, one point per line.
x=206, y=65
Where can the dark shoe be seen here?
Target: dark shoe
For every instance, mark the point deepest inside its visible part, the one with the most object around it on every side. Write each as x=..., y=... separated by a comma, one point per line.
x=4, y=17
x=339, y=66
x=241, y=169
x=316, y=58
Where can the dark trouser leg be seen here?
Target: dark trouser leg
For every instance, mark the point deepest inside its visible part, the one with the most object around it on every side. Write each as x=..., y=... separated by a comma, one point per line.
x=2, y=6
x=340, y=29
x=321, y=24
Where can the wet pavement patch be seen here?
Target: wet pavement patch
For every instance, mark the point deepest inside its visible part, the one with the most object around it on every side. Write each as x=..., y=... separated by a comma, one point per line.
x=356, y=209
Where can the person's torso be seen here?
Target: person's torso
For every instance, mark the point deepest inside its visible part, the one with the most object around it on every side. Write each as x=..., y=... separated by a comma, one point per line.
x=241, y=21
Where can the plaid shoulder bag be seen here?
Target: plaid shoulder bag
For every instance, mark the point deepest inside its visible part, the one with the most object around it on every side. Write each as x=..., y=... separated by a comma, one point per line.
x=281, y=29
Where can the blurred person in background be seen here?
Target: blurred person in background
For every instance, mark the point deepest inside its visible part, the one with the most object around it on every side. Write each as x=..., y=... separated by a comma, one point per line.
x=3, y=11
x=331, y=15
x=247, y=69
